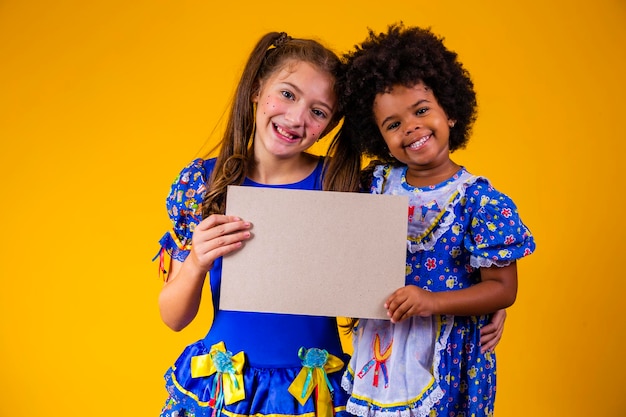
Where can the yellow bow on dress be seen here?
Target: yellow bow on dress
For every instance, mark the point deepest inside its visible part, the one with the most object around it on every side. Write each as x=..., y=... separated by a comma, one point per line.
x=228, y=367
x=316, y=364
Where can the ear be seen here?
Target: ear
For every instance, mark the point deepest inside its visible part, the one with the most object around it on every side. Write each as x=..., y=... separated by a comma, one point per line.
x=451, y=123
x=256, y=92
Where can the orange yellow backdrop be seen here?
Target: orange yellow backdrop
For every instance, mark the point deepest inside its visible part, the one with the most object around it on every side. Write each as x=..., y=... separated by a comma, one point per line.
x=102, y=103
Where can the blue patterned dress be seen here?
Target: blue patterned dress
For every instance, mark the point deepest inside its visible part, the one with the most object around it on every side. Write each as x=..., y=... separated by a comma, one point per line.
x=432, y=366
x=249, y=363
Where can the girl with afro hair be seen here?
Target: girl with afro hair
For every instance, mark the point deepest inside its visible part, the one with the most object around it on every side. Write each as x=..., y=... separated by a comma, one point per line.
x=409, y=103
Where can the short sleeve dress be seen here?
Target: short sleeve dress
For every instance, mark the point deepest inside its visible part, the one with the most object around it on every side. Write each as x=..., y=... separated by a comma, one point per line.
x=249, y=363
x=432, y=366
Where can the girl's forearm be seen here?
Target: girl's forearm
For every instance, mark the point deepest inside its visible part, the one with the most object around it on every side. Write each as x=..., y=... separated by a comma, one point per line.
x=497, y=290
x=180, y=297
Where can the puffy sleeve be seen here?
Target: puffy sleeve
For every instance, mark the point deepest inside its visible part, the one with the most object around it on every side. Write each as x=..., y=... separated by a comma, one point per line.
x=497, y=236
x=183, y=205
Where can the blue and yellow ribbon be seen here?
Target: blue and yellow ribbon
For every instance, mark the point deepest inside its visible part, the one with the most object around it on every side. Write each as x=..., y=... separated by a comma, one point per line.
x=228, y=384
x=316, y=364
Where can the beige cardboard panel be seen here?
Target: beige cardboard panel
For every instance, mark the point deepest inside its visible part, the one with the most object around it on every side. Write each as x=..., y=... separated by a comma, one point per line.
x=315, y=253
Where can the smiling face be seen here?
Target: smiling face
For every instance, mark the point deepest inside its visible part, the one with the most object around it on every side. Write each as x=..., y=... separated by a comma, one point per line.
x=416, y=129
x=294, y=107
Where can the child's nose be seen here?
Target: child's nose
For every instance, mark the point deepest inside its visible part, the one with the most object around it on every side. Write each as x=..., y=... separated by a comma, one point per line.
x=411, y=127
x=295, y=114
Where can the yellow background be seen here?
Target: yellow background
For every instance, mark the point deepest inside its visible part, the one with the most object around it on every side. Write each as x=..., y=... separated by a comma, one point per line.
x=103, y=102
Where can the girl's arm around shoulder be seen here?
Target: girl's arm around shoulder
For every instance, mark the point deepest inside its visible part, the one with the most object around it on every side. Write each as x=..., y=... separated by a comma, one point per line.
x=491, y=333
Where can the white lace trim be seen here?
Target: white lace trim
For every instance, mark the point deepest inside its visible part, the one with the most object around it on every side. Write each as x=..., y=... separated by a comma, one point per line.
x=442, y=343
x=447, y=219
x=478, y=262
x=346, y=384
x=422, y=411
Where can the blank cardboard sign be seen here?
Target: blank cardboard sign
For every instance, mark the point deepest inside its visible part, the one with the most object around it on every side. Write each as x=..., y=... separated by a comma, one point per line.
x=315, y=253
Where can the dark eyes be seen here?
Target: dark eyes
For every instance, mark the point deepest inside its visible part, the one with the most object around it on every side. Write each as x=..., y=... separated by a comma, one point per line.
x=393, y=125
x=419, y=112
x=317, y=112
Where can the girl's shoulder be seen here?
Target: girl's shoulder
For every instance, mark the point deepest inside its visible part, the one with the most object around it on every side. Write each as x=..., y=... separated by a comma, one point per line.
x=189, y=186
x=196, y=172
x=198, y=166
x=481, y=192
x=376, y=176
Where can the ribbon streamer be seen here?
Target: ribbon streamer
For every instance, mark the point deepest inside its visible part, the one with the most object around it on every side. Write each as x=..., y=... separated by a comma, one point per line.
x=161, y=254
x=228, y=384
x=316, y=364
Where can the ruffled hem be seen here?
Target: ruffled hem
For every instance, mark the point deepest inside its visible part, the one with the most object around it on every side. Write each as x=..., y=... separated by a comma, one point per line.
x=266, y=391
x=419, y=408
x=479, y=262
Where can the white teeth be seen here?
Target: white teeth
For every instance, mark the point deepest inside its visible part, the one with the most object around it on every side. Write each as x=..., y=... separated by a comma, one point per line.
x=282, y=132
x=419, y=143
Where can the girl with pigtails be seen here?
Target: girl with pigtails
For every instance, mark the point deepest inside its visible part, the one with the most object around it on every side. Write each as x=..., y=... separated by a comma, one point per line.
x=253, y=363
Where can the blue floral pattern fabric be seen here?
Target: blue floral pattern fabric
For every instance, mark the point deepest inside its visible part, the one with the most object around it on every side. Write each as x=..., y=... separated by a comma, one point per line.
x=183, y=207
x=269, y=343
x=454, y=228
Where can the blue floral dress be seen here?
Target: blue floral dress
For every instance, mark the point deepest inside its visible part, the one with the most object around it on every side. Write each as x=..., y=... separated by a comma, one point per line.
x=249, y=363
x=432, y=366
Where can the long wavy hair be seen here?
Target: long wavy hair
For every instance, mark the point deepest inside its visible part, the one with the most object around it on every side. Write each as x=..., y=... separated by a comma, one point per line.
x=271, y=53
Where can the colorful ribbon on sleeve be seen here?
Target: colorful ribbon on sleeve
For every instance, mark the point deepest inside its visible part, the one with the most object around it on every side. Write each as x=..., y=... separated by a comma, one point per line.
x=162, y=271
x=165, y=256
x=316, y=364
x=379, y=360
x=228, y=384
